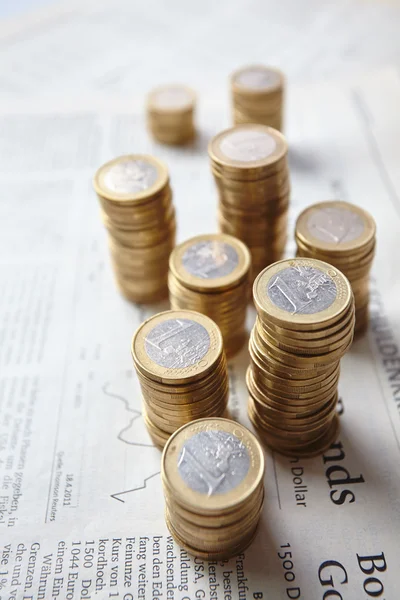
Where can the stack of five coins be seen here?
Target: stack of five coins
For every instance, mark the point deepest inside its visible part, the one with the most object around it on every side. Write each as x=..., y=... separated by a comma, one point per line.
x=181, y=367
x=211, y=274
x=137, y=210
x=170, y=114
x=249, y=164
x=212, y=472
x=258, y=96
x=304, y=326
x=343, y=235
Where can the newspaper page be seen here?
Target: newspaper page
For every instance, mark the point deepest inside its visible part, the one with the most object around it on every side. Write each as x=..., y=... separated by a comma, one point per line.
x=81, y=502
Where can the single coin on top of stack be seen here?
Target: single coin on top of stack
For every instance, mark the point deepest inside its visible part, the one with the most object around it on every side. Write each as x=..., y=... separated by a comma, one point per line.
x=170, y=114
x=182, y=371
x=343, y=235
x=137, y=210
x=304, y=326
x=258, y=95
x=249, y=164
x=212, y=472
x=211, y=274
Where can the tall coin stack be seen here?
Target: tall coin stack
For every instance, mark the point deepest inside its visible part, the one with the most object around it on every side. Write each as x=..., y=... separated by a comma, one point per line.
x=258, y=96
x=137, y=210
x=170, y=114
x=211, y=274
x=212, y=472
x=249, y=164
x=343, y=235
x=181, y=367
x=304, y=326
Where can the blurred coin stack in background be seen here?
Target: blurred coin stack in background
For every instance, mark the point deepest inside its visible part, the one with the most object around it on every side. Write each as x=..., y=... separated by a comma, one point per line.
x=249, y=164
x=170, y=114
x=137, y=211
x=304, y=326
x=212, y=472
x=258, y=96
x=343, y=235
x=181, y=367
x=211, y=274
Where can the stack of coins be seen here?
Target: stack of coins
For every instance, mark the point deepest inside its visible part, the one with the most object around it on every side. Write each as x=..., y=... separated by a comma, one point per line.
x=137, y=210
x=304, y=326
x=181, y=367
x=249, y=164
x=212, y=472
x=170, y=114
x=344, y=236
x=257, y=96
x=211, y=274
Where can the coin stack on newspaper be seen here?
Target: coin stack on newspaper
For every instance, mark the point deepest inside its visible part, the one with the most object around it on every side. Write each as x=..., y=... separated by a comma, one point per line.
x=213, y=477
x=343, y=235
x=170, y=114
x=249, y=164
x=304, y=326
x=181, y=367
x=211, y=274
x=137, y=210
x=258, y=96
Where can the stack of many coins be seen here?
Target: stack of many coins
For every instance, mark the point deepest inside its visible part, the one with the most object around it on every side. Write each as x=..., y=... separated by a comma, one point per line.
x=181, y=366
x=249, y=164
x=170, y=114
x=211, y=274
x=137, y=210
x=212, y=472
x=257, y=96
x=344, y=236
x=304, y=326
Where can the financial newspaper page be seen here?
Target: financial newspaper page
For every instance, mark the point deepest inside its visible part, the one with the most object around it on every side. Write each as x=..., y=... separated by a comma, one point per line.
x=81, y=502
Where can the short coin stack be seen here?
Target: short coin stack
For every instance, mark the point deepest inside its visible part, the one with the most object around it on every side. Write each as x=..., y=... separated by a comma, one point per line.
x=258, y=95
x=304, y=326
x=213, y=477
x=249, y=164
x=137, y=210
x=343, y=235
x=211, y=274
x=181, y=366
x=170, y=114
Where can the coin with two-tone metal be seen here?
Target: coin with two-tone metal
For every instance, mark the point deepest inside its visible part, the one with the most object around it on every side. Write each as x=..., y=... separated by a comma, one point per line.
x=250, y=169
x=343, y=235
x=211, y=274
x=170, y=114
x=213, y=478
x=136, y=207
x=181, y=366
x=305, y=324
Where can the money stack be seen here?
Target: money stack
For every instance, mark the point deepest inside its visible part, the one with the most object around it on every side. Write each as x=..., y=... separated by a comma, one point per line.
x=181, y=367
x=249, y=164
x=211, y=274
x=304, y=326
x=170, y=114
x=212, y=473
x=343, y=235
x=257, y=96
x=137, y=211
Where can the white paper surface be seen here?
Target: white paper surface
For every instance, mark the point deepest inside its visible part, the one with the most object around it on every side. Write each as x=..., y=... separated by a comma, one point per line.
x=81, y=505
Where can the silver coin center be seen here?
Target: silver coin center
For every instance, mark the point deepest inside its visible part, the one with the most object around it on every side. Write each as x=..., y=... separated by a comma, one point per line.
x=177, y=343
x=213, y=462
x=247, y=145
x=258, y=79
x=336, y=225
x=210, y=259
x=173, y=97
x=130, y=176
x=302, y=290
